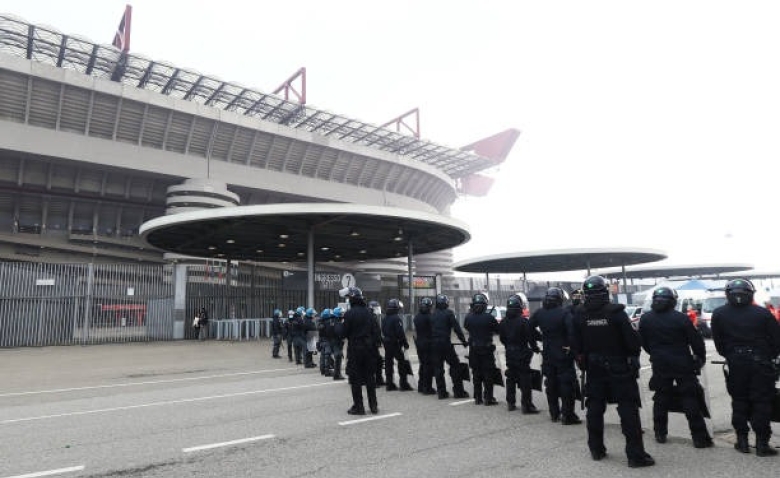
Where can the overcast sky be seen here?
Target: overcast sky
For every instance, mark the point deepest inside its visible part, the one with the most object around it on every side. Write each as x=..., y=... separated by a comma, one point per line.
x=644, y=124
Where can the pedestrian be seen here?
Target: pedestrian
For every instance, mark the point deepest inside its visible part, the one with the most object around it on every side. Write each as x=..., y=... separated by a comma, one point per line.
x=443, y=323
x=482, y=326
x=555, y=324
x=749, y=338
x=203, y=324
x=692, y=315
x=677, y=354
x=361, y=331
x=607, y=349
x=516, y=335
x=277, y=329
x=422, y=342
x=394, y=341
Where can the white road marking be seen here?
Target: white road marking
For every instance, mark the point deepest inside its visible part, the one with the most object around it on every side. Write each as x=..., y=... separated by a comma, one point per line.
x=50, y=472
x=167, y=402
x=135, y=384
x=226, y=443
x=368, y=419
x=461, y=402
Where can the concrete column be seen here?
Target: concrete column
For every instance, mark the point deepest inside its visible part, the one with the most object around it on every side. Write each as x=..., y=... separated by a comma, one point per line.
x=179, y=300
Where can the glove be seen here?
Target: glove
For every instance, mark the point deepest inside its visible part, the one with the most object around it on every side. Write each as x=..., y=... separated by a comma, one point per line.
x=582, y=362
x=406, y=345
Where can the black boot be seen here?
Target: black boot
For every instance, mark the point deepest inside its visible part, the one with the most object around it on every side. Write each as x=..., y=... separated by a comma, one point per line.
x=742, y=445
x=372, y=404
x=703, y=442
x=572, y=419
x=660, y=437
x=489, y=398
x=405, y=387
x=390, y=387
x=763, y=448
x=357, y=401
x=641, y=461
x=458, y=391
x=529, y=409
x=478, y=392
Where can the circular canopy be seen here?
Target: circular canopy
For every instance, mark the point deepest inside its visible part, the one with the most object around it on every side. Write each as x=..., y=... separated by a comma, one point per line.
x=669, y=270
x=558, y=260
x=280, y=232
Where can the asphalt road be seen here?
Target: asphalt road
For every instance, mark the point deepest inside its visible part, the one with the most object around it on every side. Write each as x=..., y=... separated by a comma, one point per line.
x=229, y=410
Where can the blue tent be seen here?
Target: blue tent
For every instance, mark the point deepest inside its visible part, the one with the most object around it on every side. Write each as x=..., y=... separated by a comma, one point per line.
x=694, y=284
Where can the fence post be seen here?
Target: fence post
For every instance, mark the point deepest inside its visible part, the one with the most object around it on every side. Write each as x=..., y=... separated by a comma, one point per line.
x=88, y=303
x=179, y=299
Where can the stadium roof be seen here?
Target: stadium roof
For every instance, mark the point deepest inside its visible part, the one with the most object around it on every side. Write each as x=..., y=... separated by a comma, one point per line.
x=46, y=45
x=280, y=232
x=558, y=260
x=676, y=270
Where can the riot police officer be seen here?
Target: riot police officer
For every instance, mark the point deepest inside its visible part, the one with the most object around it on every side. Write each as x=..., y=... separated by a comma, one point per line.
x=576, y=301
x=333, y=333
x=298, y=332
x=515, y=334
x=287, y=333
x=443, y=323
x=376, y=309
x=310, y=328
x=669, y=337
x=607, y=349
x=749, y=338
x=422, y=342
x=323, y=344
x=276, y=332
x=361, y=331
x=394, y=340
x=555, y=324
x=482, y=326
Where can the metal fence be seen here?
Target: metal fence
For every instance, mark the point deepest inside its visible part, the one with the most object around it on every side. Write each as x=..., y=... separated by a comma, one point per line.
x=63, y=304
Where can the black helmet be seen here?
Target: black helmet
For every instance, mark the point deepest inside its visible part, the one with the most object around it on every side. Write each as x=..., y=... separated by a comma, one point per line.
x=576, y=297
x=596, y=292
x=479, y=303
x=426, y=304
x=664, y=298
x=515, y=302
x=393, y=306
x=355, y=296
x=442, y=301
x=554, y=297
x=740, y=292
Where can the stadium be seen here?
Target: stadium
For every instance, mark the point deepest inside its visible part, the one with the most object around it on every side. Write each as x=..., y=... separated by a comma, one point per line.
x=97, y=140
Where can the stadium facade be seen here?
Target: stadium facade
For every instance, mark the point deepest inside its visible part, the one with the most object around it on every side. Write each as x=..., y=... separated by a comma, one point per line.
x=95, y=141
